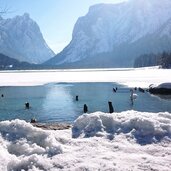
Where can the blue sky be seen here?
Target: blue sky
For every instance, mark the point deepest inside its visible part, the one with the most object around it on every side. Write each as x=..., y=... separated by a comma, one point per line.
x=56, y=18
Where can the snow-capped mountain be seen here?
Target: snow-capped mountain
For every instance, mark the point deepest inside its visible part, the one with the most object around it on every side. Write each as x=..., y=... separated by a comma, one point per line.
x=21, y=38
x=115, y=34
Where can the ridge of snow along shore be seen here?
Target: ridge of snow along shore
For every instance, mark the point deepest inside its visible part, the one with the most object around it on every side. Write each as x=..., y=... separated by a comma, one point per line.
x=145, y=127
x=128, y=140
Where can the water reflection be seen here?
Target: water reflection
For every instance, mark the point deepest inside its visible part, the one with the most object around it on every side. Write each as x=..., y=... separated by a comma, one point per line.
x=58, y=103
x=164, y=97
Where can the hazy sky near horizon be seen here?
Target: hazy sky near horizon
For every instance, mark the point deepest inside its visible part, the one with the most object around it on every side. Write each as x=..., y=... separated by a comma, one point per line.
x=56, y=18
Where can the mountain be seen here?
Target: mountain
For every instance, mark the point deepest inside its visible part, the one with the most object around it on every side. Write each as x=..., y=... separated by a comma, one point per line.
x=10, y=63
x=21, y=38
x=113, y=35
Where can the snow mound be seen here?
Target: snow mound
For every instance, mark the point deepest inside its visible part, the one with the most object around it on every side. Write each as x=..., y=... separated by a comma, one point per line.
x=24, y=147
x=164, y=88
x=165, y=85
x=21, y=145
x=144, y=127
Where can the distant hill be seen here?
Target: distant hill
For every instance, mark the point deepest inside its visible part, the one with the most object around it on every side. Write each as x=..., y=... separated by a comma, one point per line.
x=10, y=63
x=113, y=35
x=21, y=38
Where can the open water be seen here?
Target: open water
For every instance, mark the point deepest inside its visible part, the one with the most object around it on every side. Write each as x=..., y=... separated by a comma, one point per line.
x=57, y=102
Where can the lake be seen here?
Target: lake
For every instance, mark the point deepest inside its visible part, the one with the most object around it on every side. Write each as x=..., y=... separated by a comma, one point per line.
x=57, y=102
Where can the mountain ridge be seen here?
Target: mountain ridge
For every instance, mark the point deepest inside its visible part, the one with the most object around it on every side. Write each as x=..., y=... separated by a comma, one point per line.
x=21, y=38
x=116, y=34
x=8, y=63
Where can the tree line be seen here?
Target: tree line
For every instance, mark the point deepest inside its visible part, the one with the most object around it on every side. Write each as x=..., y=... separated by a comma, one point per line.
x=162, y=59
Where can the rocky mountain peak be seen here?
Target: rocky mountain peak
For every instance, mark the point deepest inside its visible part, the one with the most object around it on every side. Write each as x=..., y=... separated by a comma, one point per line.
x=22, y=39
x=111, y=33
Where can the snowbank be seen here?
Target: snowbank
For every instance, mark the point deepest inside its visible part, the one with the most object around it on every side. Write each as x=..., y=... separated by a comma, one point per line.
x=164, y=85
x=21, y=144
x=145, y=127
x=112, y=143
x=164, y=88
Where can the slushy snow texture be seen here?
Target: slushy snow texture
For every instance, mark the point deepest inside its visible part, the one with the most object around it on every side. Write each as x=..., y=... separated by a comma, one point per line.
x=103, y=141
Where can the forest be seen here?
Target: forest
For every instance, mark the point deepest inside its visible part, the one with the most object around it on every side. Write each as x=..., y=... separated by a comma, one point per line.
x=162, y=59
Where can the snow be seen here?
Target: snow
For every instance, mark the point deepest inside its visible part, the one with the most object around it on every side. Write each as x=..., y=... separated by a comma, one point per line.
x=22, y=39
x=141, y=77
x=138, y=125
x=107, y=27
x=106, y=142
x=165, y=85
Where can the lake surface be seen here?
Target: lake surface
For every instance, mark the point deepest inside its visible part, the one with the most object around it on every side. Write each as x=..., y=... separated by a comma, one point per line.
x=57, y=103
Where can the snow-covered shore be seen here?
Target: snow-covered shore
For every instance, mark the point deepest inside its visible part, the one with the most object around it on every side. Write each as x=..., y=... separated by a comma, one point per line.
x=104, y=142
x=141, y=77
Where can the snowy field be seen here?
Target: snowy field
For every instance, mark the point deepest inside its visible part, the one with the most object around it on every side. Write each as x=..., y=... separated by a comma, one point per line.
x=123, y=141
x=141, y=77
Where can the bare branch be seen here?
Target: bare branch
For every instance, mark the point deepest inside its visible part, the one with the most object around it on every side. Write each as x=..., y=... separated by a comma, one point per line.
x=4, y=9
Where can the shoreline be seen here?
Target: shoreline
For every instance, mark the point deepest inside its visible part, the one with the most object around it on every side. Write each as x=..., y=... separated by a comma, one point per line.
x=79, y=70
x=138, y=77
x=52, y=126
